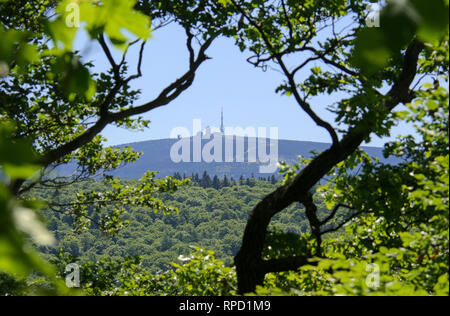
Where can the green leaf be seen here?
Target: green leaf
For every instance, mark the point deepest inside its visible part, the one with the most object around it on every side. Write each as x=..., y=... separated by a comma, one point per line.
x=434, y=19
x=21, y=171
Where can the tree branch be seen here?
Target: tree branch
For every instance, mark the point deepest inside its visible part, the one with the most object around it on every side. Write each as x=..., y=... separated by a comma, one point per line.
x=166, y=96
x=335, y=229
x=106, y=50
x=286, y=264
x=249, y=265
x=333, y=213
x=311, y=214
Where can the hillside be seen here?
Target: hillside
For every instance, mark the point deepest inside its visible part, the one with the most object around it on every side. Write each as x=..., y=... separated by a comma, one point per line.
x=210, y=218
x=156, y=157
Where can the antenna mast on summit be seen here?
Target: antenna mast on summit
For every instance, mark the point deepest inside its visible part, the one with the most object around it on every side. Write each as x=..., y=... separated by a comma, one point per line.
x=222, y=127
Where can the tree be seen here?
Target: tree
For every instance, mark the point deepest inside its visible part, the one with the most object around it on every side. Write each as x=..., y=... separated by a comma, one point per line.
x=377, y=69
x=52, y=109
x=226, y=182
x=206, y=181
x=398, y=244
x=196, y=178
x=61, y=109
x=273, y=179
x=216, y=182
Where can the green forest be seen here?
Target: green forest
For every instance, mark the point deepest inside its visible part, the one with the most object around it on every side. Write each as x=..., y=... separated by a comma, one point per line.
x=338, y=223
x=207, y=218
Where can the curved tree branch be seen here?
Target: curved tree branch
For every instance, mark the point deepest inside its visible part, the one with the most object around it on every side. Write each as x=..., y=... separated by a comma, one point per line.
x=249, y=265
x=290, y=76
x=167, y=95
x=314, y=222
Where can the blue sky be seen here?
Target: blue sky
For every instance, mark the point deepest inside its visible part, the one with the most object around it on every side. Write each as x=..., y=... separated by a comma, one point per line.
x=247, y=94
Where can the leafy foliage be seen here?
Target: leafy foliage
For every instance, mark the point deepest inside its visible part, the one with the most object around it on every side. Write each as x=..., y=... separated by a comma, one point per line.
x=200, y=275
x=17, y=257
x=209, y=218
x=404, y=230
x=52, y=110
x=396, y=217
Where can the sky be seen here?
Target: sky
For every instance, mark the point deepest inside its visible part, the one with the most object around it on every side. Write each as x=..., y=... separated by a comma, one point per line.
x=246, y=94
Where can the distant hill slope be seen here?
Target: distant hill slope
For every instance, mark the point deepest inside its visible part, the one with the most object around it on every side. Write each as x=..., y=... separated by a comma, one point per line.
x=156, y=157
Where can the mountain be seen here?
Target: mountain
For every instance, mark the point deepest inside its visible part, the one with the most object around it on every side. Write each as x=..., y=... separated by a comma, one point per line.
x=157, y=156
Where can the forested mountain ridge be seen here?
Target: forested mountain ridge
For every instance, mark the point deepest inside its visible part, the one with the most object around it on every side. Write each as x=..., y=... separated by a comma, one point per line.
x=156, y=156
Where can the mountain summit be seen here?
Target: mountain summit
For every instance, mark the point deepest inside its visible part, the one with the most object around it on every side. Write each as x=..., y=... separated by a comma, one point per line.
x=156, y=157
